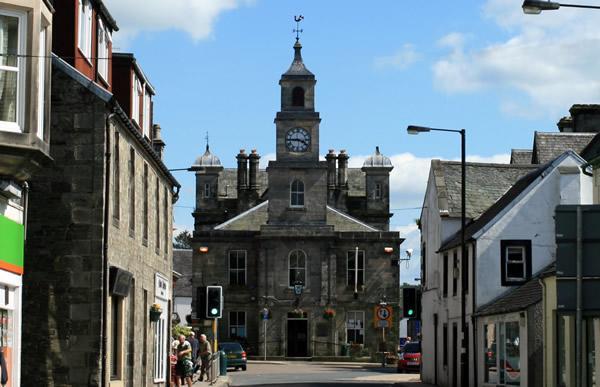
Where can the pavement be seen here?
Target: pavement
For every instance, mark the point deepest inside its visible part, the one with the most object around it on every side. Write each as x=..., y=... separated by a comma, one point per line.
x=316, y=374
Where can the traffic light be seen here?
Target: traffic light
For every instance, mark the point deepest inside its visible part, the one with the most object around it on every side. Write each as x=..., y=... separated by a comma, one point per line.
x=411, y=302
x=214, y=301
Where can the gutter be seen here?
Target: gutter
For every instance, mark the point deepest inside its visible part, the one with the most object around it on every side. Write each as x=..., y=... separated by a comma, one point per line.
x=105, y=221
x=590, y=163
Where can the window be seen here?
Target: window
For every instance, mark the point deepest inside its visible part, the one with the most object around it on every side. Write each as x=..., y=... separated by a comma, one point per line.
x=160, y=350
x=147, y=116
x=445, y=345
x=166, y=221
x=116, y=337
x=502, y=353
x=298, y=97
x=85, y=27
x=12, y=70
x=145, y=216
x=116, y=180
x=157, y=215
x=207, y=191
x=378, y=191
x=297, y=267
x=41, y=105
x=237, y=267
x=131, y=175
x=136, y=90
x=455, y=273
x=445, y=276
x=355, y=275
x=355, y=327
x=515, y=261
x=103, y=42
x=466, y=277
x=424, y=264
x=297, y=194
x=237, y=325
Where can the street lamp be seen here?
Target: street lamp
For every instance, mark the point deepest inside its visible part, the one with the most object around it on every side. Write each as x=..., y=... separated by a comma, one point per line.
x=412, y=129
x=535, y=7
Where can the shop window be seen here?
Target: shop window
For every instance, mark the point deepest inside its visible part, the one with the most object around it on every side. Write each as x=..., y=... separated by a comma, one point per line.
x=355, y=327
x=515, y=261
x=502, y=353
x=160, y=350
x=355, y=274
x=237, y=325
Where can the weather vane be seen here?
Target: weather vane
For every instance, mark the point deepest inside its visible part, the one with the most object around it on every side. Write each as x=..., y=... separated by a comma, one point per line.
x=298, y=19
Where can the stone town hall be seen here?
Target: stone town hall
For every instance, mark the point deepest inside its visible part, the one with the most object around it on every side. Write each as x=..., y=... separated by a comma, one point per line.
x=302, y=221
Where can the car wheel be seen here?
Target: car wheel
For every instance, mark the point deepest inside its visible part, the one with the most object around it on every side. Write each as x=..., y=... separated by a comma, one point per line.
x=243, y=368
x=236, y=368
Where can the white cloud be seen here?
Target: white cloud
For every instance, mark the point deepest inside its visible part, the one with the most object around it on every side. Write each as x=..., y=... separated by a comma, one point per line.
x=196, y=18
x=263, y=163
x=547, y=59
x=400, y=60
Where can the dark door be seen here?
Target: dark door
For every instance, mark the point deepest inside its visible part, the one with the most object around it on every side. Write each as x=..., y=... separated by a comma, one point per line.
x=454, y=357
x=297, y=340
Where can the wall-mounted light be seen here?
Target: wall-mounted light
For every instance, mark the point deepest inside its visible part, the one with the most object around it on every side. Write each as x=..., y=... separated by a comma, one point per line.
x=203, y=249
x=388, y=250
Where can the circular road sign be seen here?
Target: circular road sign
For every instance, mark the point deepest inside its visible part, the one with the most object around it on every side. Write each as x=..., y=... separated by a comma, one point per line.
x=383, y=313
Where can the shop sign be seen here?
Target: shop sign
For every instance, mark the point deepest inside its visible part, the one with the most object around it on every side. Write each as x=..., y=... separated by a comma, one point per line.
x=11, y=245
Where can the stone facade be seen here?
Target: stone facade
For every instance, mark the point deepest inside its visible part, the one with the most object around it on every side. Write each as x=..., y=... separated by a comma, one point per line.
x=297, y=223
x=79, y=331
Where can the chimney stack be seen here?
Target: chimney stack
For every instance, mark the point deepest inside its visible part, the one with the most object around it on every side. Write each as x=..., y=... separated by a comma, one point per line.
x=157, y=143
x=254, y=158
x=342, y=169
x=242, y=172
x=331, y=172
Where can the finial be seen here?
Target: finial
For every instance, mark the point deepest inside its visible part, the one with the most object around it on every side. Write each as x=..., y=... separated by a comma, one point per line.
x=377, y=150
x=206, y=138
x=298, y=19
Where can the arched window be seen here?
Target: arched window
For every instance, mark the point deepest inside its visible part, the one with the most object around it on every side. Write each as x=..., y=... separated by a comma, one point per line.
x=298, y=97
x=297, y=267
x=297, y=194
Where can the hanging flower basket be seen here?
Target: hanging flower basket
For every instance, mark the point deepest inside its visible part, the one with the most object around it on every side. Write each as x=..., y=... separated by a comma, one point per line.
x=328, y=314
x=297, y=313
x=155, y=312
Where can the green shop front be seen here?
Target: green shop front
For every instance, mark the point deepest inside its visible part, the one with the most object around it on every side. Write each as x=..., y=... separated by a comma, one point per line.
x=11, y=272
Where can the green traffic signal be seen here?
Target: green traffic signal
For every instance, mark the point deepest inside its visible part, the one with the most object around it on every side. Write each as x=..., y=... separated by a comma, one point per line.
x=411, y=312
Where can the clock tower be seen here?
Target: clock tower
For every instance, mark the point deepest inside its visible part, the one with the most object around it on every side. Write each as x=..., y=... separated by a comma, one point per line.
x=297, y=123
x=297, y=179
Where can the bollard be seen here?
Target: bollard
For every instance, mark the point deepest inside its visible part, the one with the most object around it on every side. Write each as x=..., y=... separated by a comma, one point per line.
x=223, y=369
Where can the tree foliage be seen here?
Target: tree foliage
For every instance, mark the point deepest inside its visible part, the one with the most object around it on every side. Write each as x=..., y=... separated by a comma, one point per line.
x=183, y=240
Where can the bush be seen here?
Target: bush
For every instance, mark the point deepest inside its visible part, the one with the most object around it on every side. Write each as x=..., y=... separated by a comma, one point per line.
x=180, y=330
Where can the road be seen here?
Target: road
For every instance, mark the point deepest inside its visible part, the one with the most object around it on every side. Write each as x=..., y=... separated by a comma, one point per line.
x=301, y=374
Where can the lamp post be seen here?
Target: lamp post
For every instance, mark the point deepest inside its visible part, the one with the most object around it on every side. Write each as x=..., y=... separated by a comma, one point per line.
x=464, y=264
x=535, y=7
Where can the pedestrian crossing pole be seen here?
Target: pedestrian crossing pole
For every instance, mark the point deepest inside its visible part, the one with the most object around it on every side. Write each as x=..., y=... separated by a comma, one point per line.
x=214, y=328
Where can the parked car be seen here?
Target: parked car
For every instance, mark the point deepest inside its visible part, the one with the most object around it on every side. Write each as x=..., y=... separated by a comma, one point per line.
x=409, y=358
x=236, y=356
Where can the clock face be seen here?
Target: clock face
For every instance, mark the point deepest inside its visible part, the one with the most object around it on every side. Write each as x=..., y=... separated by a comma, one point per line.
x=297, y=140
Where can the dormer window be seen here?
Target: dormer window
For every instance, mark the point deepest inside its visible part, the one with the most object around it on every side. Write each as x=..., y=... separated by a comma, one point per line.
x=297, y=194
x=298, y=97
x=136, y=92
x=103, y=42
x=85, y=28
x=146, y=114
x=12, y=69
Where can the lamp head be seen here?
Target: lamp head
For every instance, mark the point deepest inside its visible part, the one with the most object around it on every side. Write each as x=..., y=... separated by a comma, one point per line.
x=535, y=7
x=413, y=129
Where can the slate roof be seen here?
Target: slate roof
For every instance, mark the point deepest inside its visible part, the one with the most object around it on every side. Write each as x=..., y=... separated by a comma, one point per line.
x=182, y=263
x=297, y=68
x=521, y=156
x=592, y=150
x=548, y=146
x=486, y=183
x=514, y=300
x=254, y=218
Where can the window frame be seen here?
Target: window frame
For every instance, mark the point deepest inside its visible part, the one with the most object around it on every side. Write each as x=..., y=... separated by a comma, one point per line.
x=146, y=103
x=117, y=179
x=18, y=126
x=298, y=194
x=103, y=39
x=84, y=29
x=356, y=313
x=145, y=220
x=305, y=282
x=525, y=246
x=116, y=326
x=157, y=214
x=361, y=271
x=237, y=270
x=207, y=191
x=445, y=275
x=378, y=191
x=237, y=326
x=42, y=70
x=131, y=172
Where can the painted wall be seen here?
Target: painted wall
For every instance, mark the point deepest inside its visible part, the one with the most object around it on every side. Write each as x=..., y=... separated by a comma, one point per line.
x=530, y=218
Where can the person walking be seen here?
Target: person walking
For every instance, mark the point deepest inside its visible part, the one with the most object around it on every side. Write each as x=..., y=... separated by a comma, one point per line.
x=185, y=367
x=195, y=348
x=204, y=353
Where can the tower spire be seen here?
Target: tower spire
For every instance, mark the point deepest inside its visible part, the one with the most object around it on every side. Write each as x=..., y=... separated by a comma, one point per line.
x=206, y=138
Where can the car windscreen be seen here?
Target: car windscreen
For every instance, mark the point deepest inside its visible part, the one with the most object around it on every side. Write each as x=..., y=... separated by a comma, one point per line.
x=230, y=347
x=412, y=348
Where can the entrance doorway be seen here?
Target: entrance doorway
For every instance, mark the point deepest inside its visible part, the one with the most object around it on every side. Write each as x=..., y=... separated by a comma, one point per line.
x=297, y=337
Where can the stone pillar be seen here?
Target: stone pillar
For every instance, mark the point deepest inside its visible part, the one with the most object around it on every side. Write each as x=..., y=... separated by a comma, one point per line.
x=343, y=170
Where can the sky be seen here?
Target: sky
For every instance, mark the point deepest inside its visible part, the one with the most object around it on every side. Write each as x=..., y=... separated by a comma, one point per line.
x=380, y=65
